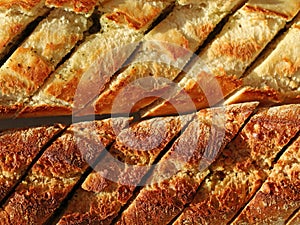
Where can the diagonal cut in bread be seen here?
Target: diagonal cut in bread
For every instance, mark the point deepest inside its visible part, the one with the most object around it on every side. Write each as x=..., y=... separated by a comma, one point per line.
x=181, y=170
x=279, y=195
x=277, y=78
x=84, y=75
x=18, y=149
x=137, y=148
x=14, y=20
x=163, y=54
x=58, y=170
x=224, y=61
x=243, y=166
x=29, y=66
x=295, y=220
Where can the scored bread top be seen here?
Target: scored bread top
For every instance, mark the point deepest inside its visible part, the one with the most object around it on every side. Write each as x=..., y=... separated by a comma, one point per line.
x=18, y=148
x=279, y=195
x=181, y=170
x=277, y=78
x=12, y=24
x=243, y=166
x=103, y=52
x=242, y=38
x=28, y=67
x=137, y=146
x=222, y=62
x=163, y=54
x=58, y=170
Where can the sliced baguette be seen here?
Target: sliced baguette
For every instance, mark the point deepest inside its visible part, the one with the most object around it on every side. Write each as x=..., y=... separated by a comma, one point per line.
x=277, y=78
x=85, y=73
x=28, y=67
x=100, y=199
x=243, y=166
x=18, y=148
x=241, y=40
x=179, y=173
x=163, y=54
x=58, y=170
x=13, y=23
x=279, y=195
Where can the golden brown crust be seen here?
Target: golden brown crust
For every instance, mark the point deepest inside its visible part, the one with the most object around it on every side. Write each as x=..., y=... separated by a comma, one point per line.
x=183, y=164
x=193, y=97
x=9, y=111
x=17, y=150
x=44, y=111
x=29, y=67
x=56, y=172
x=277, y=77
x=246, y=94
x=136, y=15
x=138, y=93
x=138, y=145
x=279, y=196
x=78, y=6
x=243, y=166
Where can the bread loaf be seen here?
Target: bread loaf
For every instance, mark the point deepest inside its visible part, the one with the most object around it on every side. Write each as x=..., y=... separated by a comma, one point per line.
x=79, y=77
x=278, y=197
x=277, y=78
x=18, y=149
x=138, y=147
x=225, y=60
x=182, y=169
x=58, y=170
x=225, y=164
x=29, y=66
x=242, y=167
x=170, y=45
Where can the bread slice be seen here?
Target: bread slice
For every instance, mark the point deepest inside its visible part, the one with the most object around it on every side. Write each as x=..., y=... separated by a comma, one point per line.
x=100, y=198
x=13, y=23
x=277, y=78
x=243, y=166
x=295, y=220
x=179, y=173
x=85, y=73
x=278, y=197
x=58, y=170
x=28, y=67
x=223, y=62
x=85, y=7
x=18, y=148
x=164, y=53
